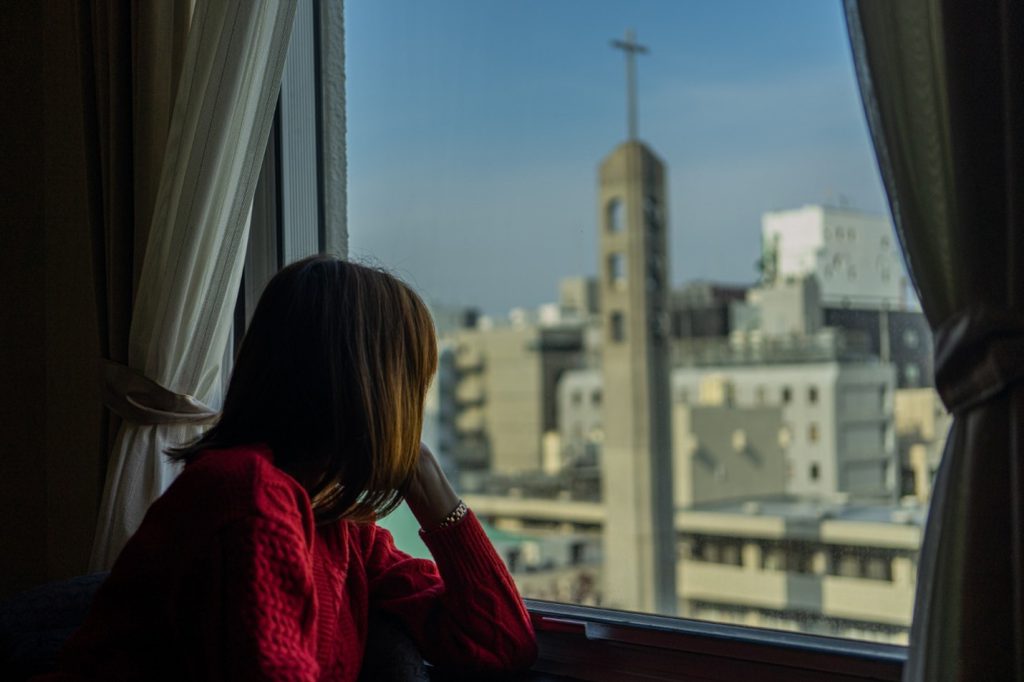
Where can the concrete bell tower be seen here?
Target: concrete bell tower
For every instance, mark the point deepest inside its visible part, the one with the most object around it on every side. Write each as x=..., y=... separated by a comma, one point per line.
x=639, y=535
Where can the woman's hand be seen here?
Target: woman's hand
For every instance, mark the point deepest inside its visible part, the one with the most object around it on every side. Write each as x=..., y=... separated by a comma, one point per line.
x=430, y=496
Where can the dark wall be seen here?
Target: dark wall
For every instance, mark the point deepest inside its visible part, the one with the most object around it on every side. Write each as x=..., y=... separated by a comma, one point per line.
x=22, y=319
x=50, y=418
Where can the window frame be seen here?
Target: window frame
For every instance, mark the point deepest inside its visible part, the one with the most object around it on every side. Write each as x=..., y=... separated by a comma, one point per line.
x=592, y=643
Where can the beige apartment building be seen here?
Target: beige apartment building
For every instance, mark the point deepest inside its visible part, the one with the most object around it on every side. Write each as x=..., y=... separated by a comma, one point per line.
x=505, y=386
x=836, y=430
x=921, y=423
x=838, y=570
x=842, y=570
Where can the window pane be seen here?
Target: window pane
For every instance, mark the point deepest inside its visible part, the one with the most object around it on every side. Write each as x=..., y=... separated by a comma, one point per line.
x=763, y=357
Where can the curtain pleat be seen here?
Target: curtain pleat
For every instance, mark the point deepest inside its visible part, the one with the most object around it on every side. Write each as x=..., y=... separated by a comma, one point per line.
x=942, y=84
x=131, y=55
x=181, y=317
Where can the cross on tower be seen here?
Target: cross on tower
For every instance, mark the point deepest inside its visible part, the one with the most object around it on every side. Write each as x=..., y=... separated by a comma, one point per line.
x=631, y=48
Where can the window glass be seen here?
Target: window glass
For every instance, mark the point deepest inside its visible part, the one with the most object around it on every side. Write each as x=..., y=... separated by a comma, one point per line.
x=777, y=368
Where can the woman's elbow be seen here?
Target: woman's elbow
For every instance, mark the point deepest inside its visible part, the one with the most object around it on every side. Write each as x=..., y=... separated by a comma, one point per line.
x=523, y=655
x=519, y=650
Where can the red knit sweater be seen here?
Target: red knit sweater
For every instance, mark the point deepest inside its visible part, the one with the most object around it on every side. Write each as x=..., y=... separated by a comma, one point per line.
x=228, y=578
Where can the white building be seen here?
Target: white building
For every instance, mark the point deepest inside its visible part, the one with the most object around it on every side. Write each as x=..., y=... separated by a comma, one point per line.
x=580, y=414
x=837, y=417
x=853, y=254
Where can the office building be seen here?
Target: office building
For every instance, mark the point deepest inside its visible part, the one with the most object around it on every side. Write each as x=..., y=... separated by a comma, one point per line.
x=853, y=254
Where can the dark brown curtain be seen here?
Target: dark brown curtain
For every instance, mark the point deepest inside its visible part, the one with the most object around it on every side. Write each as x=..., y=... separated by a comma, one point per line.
x=942, y=83
x=131, y=53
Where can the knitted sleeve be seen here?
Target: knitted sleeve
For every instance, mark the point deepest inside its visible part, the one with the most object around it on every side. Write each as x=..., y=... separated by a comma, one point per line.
x=261, y=618
x=464, y=611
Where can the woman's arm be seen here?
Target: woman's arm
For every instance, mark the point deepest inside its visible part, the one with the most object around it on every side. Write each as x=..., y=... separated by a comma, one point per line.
x=463, y=612
x=259, y=619
x=430, y=496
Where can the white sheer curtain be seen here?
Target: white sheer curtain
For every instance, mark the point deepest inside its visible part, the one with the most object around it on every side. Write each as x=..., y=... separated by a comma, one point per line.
x=181, y=318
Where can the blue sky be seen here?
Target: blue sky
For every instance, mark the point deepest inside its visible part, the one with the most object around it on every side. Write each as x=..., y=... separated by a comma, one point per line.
x=475, y=129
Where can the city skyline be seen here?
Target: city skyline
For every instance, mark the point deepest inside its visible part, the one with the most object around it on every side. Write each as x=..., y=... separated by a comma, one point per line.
x=474, y=157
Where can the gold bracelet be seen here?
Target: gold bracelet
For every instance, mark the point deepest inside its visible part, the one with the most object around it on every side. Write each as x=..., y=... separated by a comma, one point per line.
x=455, y=516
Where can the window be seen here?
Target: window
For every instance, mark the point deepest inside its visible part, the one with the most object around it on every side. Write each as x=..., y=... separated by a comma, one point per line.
x=652, y=213
x=655, y=276
x=615, y=217
x=617, y=269
x=475, y=169
x=617, y=326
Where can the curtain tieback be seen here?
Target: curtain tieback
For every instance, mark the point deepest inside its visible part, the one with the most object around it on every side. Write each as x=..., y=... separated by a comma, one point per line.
x=978, y=354
x=141, y=400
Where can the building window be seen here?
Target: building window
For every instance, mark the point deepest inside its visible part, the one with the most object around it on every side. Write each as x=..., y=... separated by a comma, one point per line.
x=787, y=395
x=654, y=275
x=812, y=395
x=911, y=339
x=760, y=395
x=595, y=397
x=617, y=269
x=877, y=568
x=815, y=472
x=652, y=213
x=617, y=324
x=812, y=433
x=615, y=215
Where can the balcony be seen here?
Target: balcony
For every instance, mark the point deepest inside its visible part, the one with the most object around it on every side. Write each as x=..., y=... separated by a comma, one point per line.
x=857, y=599
x=470, y=391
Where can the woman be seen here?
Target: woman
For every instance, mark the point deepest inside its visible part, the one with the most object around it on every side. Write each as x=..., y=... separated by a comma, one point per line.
x=262, y=560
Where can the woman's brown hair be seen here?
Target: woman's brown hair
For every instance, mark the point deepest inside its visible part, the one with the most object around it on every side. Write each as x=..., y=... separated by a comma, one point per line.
x=332, y=375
